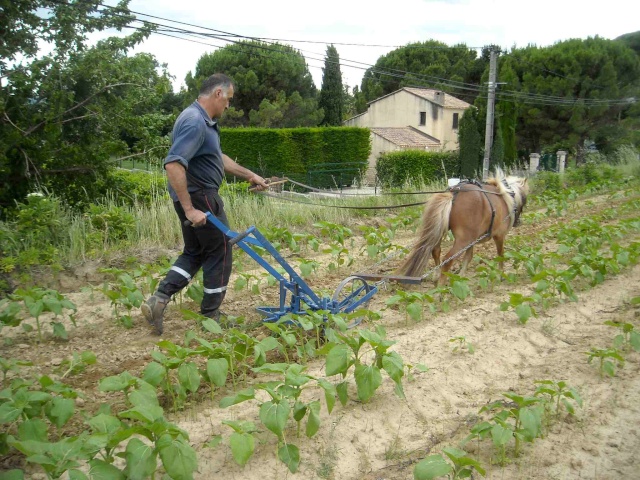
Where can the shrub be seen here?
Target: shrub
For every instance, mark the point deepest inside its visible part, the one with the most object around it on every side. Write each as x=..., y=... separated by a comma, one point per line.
x=115, y=223
x=546, y=181
x=129, y=186
x=395, y=168
x=42, y=220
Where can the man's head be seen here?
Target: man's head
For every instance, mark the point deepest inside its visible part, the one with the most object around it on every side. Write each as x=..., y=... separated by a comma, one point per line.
x=215, y=94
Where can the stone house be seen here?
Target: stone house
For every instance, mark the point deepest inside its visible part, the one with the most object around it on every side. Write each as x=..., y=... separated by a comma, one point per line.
x=410, y=119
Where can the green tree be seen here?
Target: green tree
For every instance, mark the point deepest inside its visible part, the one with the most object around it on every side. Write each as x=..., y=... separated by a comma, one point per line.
x=260, y=71
x=507, y=112
x=565, y=92
x=497, y=149
x=332, y=92
x=470, y=144
x=631, y=40
x=65, y=115
x=359, y=100
x=349, y=101
x=285, y=112
x=432, y=64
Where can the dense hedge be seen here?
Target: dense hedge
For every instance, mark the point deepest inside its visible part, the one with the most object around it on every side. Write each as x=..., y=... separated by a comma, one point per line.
x=293, y=152
x=395, y=168
x=130, y=186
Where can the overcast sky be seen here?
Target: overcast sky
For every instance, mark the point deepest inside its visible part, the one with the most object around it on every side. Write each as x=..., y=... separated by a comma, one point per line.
x=392, y=23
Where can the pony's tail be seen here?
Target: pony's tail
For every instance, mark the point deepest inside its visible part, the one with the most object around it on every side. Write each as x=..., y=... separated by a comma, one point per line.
x=435, y=224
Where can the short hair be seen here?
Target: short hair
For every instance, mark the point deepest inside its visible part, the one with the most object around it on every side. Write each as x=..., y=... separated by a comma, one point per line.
x=214, y=81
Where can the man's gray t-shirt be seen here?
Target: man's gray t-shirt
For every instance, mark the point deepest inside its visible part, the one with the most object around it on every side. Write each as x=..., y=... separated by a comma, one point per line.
x=196, y=145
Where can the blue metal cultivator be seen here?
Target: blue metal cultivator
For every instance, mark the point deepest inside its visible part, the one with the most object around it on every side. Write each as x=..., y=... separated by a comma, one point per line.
x=296, y=296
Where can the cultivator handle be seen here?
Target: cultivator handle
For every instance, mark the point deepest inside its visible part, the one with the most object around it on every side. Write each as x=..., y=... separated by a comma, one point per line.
x=242, y=235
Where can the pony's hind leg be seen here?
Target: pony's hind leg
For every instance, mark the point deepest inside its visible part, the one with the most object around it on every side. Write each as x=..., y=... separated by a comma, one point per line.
x=499, y=241
x=448, y=264
x=466, y=259
x=435, y=253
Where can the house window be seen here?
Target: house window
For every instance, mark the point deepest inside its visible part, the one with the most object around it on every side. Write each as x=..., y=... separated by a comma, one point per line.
x=423, y=118
x=455, y=121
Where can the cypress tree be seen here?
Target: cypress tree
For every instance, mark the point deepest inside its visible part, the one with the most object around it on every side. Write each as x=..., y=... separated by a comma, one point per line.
x=470, y=144
x=508, y=111
x=497, y=151
x=332, y=93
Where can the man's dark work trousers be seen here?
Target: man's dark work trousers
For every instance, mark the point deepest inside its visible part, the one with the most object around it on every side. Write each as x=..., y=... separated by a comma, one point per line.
x=205, y=247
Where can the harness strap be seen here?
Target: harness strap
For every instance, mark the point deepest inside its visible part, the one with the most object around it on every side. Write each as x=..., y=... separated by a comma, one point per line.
x=455, y=192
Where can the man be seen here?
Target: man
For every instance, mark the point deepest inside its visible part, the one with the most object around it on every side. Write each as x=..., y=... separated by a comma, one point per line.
x=195, y=169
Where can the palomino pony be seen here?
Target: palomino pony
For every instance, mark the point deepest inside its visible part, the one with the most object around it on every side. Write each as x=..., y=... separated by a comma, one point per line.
x=470, y=210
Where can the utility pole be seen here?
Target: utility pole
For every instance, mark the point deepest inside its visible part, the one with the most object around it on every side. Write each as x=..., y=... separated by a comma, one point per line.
x=488, y=133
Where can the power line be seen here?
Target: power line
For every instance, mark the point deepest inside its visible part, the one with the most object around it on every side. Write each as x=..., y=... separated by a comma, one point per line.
x=521, y=97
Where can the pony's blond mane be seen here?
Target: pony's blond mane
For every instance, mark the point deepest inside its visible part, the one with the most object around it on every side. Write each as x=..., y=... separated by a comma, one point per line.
x=508, y=185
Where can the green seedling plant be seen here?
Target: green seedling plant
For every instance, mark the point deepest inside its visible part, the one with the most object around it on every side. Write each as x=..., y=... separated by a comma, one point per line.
x=246, y=352
x=407, y=220
x=459, y=465
x=526, y=256
x=346, y=349
x=307, y=267
x=489, y=273
x=271, y=280
x=409, y=368
x=552, y=282
x=307, y=240
x=195, y=290
x=173, y=372
x=338, y=233
x=146, y=275
x=522, y=305
x=12, y=365
x=628, y=338
x=556, y=206
x=557, y=395
x=124, y=293
x=377, y=240
x=608, y=359
x=27, y=410
x=287, y=335
x=413, y=303
x=442, y=294
x=520, y=419
x=10, y=313
x=38, y=301
x=145, y=418
x=77, y=363
x=55, y=458
x=308, y=330
x=242, y=441
x=284, y=403
x=460, y=345
x=281, y=236
x=249, y=281
x=458, y=286
x=340, y=254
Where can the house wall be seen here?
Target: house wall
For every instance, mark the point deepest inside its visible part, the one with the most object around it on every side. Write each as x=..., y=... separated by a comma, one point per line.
x=402, y=110
x=449, y=138
x=378, y=145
